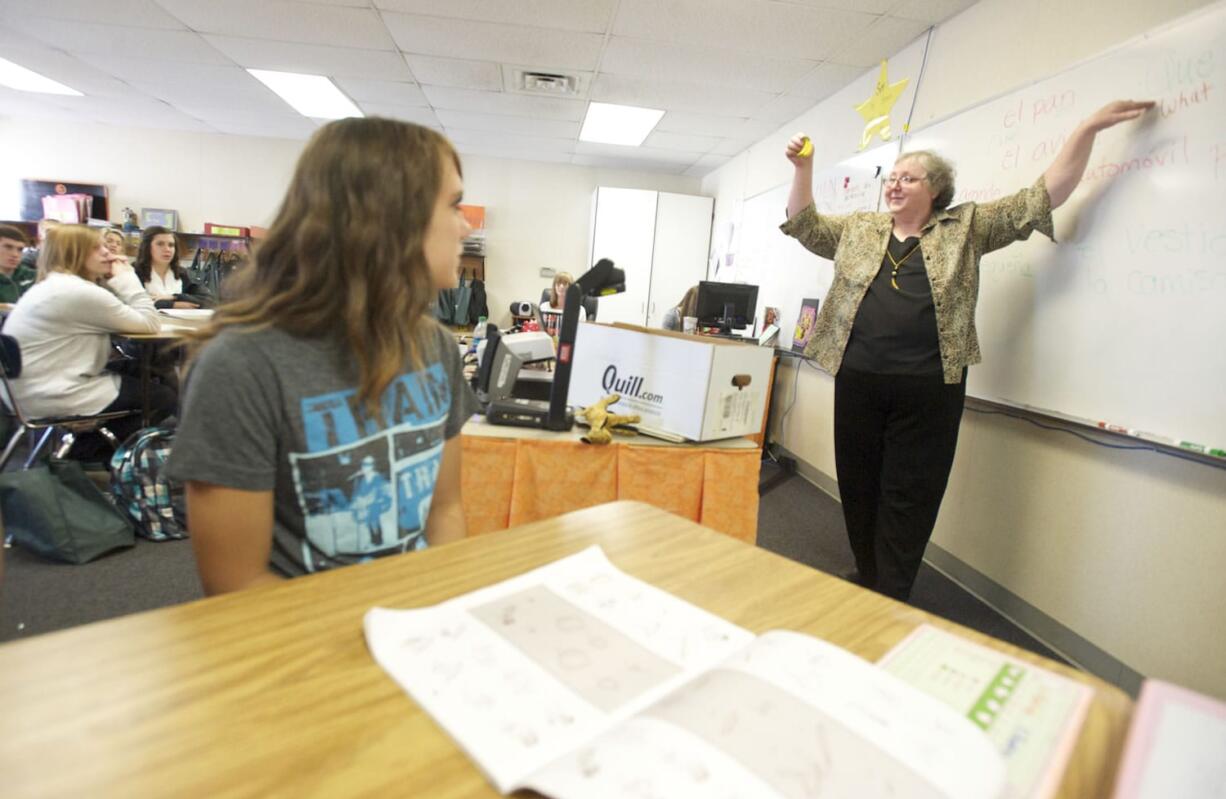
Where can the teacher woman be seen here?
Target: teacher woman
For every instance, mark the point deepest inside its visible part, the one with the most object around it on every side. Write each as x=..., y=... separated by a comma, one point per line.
x=897, y=331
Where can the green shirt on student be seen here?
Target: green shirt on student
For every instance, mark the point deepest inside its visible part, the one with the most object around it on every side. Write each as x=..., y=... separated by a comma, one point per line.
x=14, y=285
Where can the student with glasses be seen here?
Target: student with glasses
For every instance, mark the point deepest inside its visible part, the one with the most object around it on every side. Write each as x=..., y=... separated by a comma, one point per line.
x=897, y=330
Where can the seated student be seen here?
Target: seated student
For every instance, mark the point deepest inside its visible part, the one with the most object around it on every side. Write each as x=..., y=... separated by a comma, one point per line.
x=557, y=295
x=64, y=325
x=687, y=307
x=29, y=259
x=157, y=266
x=114, y=241
x=322, y=412
x=15, y=277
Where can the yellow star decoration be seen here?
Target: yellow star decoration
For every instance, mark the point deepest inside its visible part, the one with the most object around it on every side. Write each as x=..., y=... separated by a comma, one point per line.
x=876, y=109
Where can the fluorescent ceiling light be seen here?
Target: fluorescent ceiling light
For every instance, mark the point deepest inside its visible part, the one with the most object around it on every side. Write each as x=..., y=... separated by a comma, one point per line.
x=606, y=123
x=18, y=77
x=311, y=95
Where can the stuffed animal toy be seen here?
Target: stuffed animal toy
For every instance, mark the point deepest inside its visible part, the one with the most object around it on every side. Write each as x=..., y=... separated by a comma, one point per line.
x=604, y=424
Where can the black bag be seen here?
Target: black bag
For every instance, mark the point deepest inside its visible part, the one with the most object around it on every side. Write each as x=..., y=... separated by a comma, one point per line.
x=477, y=307
x=57, y=512
x=444, y=309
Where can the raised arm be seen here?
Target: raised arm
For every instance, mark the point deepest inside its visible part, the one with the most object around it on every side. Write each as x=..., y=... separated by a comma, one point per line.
x=1065, y=172
x=801, y=195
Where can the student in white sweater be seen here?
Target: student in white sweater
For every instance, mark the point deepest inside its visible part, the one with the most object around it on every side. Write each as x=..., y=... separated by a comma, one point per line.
x=64, y=323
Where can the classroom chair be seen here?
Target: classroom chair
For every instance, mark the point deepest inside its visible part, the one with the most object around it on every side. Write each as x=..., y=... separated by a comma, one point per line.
x=68, y=427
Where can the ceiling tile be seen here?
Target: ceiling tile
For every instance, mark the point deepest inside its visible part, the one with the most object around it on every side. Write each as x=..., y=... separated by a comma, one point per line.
x=524, y=105
x=527, y=142
x=931, y=11
x=731, y=147
x=706, y=164
x=483, y=75
x=283, y=21
x=590, y=15
x=825, y=80
x=865, y=6
x=503, y=43
x=62, y=67
x=783, y=108
x=527, y=125
x=350, y=3
x=697, y=124
x=750, y=26
x=383, y=91
x=312, y=59
x=88, y=37
x=883, y=39
x=638, y=58
x=635, y=164
x=282, y=126
x=680, y=141
x=685, y=97
x=494, y=150
x=138, y=13
x=405, y=113
x=158, y=76
x=28, y=104
x=644, y=153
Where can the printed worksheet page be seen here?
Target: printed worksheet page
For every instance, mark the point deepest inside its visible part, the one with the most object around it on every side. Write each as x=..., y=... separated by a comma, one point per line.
x=788, y=716
x=522, y=672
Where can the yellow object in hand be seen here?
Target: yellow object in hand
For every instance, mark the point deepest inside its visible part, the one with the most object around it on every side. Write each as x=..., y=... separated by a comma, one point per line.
x=806, y=149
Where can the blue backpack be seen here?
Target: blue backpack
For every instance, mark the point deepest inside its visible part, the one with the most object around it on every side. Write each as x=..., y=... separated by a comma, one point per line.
x=142, y=488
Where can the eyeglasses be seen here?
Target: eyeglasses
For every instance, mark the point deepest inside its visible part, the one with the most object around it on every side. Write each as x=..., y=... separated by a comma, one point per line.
x=906, y=180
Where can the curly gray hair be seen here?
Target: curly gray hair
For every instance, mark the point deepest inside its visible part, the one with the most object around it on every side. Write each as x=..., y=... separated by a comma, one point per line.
x=940, y=175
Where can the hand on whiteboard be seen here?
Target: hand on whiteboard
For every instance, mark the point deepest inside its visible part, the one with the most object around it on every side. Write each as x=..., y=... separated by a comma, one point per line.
x=796, y=150
x=1117, y=112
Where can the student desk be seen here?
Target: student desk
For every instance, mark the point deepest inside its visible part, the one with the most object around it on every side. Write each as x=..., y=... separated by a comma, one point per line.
x=273, y=692
x=515, y=475
x=172, y=330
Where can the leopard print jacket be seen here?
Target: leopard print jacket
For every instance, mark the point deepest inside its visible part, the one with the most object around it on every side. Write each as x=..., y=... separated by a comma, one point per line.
x=952, y=242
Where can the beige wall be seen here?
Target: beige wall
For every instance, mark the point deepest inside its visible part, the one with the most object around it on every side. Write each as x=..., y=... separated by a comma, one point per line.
x=536, y=213
x=1126, y=549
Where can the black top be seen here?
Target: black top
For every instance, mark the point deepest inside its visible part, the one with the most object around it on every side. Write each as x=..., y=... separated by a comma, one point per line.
x=895, y=331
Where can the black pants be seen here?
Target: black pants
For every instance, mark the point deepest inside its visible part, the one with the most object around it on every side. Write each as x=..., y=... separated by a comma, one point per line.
x=894, y=441
x=163, y=402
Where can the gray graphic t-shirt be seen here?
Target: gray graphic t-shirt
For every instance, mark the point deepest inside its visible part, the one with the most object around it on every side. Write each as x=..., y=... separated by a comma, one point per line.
x=270, y=411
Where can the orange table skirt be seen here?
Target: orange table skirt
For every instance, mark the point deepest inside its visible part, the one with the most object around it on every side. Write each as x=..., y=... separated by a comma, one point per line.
x=512, y=481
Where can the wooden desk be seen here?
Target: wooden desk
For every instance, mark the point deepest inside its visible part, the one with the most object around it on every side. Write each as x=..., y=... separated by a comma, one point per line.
x=273, y=692
x=515, y=475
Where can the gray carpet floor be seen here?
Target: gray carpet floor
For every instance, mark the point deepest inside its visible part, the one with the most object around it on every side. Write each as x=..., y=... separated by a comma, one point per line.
x=795, y=520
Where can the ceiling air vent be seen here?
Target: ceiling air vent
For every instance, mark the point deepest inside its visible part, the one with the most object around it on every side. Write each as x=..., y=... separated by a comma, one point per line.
x=540, y=82
x=548, y=83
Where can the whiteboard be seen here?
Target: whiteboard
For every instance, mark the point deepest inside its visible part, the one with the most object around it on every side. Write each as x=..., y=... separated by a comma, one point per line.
x=784, y=271
x=1123, y=320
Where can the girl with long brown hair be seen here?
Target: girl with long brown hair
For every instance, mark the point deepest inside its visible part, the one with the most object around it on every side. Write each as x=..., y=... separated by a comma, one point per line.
x=324, y=403
x=157, y=266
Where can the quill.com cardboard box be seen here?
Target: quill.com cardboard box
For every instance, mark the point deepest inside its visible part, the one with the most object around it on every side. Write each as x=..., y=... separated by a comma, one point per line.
x=698, y=387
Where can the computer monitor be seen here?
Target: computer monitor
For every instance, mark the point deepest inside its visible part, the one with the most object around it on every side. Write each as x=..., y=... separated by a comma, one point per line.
x=497, y=372
x=728, y=306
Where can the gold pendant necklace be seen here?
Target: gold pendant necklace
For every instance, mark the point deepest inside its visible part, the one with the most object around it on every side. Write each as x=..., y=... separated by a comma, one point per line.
x=898, y=264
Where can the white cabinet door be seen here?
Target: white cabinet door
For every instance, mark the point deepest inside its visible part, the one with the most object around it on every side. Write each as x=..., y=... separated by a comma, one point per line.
x=623, y=231
x=683, y=238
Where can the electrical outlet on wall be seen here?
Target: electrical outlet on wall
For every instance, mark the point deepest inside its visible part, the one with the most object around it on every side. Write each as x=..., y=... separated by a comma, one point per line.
x=547, y=272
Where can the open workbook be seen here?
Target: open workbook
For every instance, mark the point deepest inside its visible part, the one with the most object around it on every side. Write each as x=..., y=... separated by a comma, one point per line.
x=578, y=680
